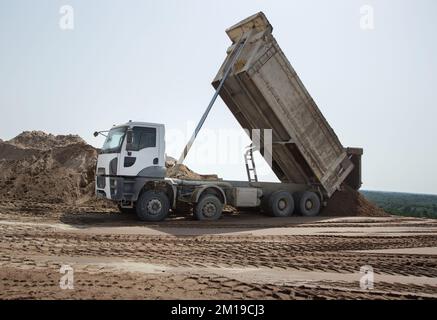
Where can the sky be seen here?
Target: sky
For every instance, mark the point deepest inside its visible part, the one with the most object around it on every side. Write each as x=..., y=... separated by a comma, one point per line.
x=154, y=61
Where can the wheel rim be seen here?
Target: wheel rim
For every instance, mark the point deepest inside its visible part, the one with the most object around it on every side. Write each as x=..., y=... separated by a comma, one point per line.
x=309, y=204
x=209, y=210
x=282, y=204
x=154, y=206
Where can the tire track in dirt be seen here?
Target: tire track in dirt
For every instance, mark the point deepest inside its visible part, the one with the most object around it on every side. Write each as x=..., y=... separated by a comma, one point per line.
x=107, y=214
x=32, y=249
x=106, y=285
x=301, y=252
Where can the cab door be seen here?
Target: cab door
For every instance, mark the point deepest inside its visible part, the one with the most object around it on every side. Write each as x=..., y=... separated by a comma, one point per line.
x=140, y=151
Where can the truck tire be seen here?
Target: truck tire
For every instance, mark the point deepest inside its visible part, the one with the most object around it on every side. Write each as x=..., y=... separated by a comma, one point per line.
x=126, y=210
x=153, y=206
x=308, y=203
x=281, y=204
x=208, y=208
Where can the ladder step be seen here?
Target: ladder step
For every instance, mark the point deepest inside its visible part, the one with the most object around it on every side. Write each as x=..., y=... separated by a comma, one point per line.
x=250, y=166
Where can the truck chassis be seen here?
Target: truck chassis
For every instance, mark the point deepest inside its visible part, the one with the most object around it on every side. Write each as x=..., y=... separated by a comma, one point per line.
x=152, y=199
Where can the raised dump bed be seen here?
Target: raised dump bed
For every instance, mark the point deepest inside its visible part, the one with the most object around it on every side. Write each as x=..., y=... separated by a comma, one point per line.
x=264, y=92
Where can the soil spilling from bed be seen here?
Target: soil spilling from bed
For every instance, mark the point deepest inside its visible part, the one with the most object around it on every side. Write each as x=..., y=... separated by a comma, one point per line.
x=349, y=202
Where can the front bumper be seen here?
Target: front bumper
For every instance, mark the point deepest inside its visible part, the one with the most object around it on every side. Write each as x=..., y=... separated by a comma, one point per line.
x=116, y=188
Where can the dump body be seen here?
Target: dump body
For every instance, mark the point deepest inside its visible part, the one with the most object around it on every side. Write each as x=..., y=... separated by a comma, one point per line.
x=264, y=92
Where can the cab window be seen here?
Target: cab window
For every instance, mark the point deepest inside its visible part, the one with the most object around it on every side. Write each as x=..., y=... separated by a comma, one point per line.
x=114, y=140
x=143, y=137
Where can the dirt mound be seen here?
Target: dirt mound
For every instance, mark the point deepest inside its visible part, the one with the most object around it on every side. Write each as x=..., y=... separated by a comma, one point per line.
x=54, y=169
x=170, y=161
x=12, y=152
x=180, y=171
x=44, y=141
x=349, y=202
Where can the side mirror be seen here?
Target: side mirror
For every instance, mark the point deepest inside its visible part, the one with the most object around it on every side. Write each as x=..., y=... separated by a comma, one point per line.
x=95, y=134
x=129, y=139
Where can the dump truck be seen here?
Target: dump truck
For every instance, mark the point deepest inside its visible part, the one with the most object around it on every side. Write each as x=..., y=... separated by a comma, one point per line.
x=263, y=92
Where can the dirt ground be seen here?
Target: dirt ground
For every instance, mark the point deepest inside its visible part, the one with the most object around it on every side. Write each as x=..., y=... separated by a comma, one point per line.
x=245, y=256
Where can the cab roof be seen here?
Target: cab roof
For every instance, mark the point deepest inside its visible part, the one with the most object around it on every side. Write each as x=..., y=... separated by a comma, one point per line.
x=139, y=124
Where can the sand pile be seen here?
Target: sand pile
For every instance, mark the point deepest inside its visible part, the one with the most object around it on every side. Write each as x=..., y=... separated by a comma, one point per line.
x=43, y=167
x=349, y=202
x=180, y=171
x=44, y=141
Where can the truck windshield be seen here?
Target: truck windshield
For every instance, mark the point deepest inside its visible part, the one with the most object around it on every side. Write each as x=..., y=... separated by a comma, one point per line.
x=114, y=140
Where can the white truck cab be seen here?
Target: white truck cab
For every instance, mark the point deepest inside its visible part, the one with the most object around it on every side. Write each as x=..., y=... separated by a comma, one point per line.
x=131, y=150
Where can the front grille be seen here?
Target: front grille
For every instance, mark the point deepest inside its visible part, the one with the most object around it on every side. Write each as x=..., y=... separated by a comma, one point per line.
x=113, y=186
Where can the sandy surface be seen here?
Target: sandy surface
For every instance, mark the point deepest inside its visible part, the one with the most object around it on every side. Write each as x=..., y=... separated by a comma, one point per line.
x=246, y=256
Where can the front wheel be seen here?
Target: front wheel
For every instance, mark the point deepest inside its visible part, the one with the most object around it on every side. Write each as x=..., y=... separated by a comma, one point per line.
x=209, y=208
x=153, y=206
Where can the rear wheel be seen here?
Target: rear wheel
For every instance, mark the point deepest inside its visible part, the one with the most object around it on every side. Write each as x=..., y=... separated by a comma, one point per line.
x=308, y=203
x=153, y=206
x=209, y=208
x=281, y=204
